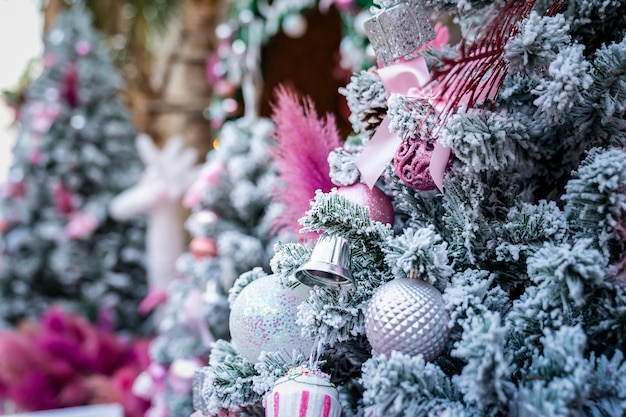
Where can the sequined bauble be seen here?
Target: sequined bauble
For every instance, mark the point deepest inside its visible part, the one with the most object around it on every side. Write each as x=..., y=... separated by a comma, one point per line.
x=412, y=163
x=375, y=199
x=305, y=393
x=263, y=318
x=408, y=316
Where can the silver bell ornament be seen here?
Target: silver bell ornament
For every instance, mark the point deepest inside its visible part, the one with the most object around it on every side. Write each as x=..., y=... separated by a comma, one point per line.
x=398, y=31
x=408, y=316
x=303, y=392
x=263, y=318
x=329, y=265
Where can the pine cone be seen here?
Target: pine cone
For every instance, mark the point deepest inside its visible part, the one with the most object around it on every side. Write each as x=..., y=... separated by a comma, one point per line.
x=373, y=117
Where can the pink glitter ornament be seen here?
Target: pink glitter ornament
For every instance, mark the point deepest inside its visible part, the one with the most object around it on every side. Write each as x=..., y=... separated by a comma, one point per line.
x=412, y=162
x=381, y=209
x=304, y=393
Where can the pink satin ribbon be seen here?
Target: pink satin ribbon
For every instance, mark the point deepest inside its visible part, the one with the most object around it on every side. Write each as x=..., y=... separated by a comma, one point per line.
x=409, y=78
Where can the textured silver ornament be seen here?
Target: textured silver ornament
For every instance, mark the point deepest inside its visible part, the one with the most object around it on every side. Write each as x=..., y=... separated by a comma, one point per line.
x=397, y=32
x=408, y=316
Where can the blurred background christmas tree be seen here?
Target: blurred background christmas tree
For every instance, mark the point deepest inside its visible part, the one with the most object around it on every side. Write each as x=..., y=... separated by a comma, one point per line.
x=73, y=154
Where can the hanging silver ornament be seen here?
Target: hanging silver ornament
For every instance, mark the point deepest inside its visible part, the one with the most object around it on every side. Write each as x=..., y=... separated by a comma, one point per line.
x=329, y=265
x=408, y=316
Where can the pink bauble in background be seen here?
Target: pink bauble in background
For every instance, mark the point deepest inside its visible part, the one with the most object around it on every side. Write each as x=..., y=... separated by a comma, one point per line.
x=203, y=247
x=381, y=209
x=82, y=48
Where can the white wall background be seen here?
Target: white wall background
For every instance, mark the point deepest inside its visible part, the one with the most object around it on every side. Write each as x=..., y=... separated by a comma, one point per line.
x=20, y=41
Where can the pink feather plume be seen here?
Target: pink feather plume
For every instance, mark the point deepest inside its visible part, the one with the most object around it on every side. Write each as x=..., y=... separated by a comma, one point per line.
x=301, y=156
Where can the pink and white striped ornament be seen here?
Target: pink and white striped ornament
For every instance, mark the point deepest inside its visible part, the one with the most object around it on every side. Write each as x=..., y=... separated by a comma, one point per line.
x=303, y=392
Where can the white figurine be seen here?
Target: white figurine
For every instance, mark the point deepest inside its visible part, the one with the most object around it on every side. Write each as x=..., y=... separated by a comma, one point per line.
x=168, y=173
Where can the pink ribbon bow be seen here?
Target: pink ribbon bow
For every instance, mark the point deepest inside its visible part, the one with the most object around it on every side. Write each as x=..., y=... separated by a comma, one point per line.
x=409, y=78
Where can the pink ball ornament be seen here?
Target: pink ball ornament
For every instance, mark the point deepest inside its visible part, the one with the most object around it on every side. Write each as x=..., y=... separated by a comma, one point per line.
x=305, y=393
x=49, y=60
x=381, y=209
x=203, y=247
x=263, y=318
x=412, y=163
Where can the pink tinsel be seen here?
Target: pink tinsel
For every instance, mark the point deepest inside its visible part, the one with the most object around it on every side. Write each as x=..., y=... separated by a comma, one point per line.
x=301, y=155
x=64, y=361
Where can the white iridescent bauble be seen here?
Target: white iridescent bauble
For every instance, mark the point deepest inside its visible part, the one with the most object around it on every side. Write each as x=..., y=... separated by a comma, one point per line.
x=303, y=392
x=408, y=316
x=263, y=318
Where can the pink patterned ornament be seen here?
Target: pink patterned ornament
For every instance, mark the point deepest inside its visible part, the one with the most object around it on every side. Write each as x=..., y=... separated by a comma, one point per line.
x=412, y=163
x=304, y=393
x=379, y=204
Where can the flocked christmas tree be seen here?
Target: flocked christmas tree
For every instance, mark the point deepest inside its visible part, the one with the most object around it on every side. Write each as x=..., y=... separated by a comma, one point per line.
x=74, y=153
x=500, y=288
x=234, y=222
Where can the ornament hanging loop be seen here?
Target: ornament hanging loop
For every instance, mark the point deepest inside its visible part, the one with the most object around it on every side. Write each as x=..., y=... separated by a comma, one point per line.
x=329, y=265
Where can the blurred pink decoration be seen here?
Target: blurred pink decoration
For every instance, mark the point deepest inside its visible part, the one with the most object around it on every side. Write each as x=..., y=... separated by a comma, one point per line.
x=168, y=174
x=82, y=48
x=14, y=189
x=341, y=5
x=193, y=316
x=155, y=297
x=69, y=87
x=301, y=156
x=36, y=157
x=80, y=225
x=150, y=385
x=43, y=116
x=4, y=224
x=180, y=374
x=209, y=176
x=64, y=361
x=150, y=382
x=49, y=60
x=378, y=203
x=63, y=199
